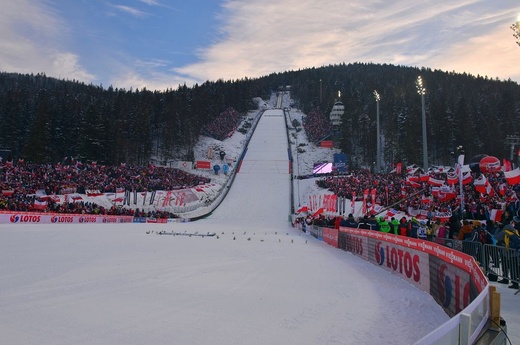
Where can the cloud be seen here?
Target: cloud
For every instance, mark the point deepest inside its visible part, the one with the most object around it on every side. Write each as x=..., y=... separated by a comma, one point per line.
x=255, y=38
x=150, y=80
x=261, y=37
x=131, y=10
x=30, y=42
x=150, y=2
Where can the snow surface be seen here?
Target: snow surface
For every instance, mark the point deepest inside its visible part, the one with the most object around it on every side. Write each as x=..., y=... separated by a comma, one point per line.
x=257, y=281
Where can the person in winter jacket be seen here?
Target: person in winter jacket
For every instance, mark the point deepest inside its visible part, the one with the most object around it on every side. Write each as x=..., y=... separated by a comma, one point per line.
x=465, y=231
x=443, y=231
x=394, y=225
x=384, y=226
x=422, y=231
x=510, y=263
x=349, y=222
x=373, y=222
x=403, y=227
x=414, y=224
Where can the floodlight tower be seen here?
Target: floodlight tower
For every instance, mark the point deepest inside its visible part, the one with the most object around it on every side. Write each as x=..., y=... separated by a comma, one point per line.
x=422, y=91
x=378, y=143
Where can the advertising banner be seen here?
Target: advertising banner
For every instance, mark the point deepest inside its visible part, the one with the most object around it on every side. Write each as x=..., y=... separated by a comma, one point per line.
x=330, y=236
x=451, y=277
x=203, y=165
x=340, y=162
x=56, y=218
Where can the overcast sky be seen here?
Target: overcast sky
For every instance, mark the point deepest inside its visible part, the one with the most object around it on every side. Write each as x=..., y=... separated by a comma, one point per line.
x=160, y=44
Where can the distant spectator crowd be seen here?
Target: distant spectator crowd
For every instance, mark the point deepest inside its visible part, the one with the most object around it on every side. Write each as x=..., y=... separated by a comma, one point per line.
x=317, y=126
x=23, y=184
x=396, y=191
x=224, y=125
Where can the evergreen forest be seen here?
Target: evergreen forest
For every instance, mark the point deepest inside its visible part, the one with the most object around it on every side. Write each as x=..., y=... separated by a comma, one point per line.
x=43, y=119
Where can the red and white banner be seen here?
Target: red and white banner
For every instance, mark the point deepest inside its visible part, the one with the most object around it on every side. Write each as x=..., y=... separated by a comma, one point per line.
x=365, y=197
x=466, y=178
x=435, y=182
x=513, y=176
x=453, y=179
x=496, y=215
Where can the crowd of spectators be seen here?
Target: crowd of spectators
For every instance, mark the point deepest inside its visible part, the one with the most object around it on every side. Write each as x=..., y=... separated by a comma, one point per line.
x=317, y=125
x=394, y=190
x=23, y=184
x=224, y=125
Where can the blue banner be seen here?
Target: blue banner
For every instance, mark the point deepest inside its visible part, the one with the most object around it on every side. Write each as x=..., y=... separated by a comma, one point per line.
x=340, y=162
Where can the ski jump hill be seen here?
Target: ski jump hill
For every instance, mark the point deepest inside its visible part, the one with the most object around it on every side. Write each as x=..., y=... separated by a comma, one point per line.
x=262, y=187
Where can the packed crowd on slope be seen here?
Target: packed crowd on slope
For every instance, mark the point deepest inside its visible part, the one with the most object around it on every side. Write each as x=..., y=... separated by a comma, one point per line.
x=316, y=125
x=224, y=125
x=397, y=191
x=22, y=184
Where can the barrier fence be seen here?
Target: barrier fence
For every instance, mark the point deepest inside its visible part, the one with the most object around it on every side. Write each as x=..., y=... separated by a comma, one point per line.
x=450, y=272
x=497, y=262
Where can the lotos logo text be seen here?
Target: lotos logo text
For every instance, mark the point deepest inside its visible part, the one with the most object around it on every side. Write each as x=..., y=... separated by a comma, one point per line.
x=355, y=245
x=24, y=218
x=87, y=219
x=398, y=260
x=450, y=287
x=62, y=219
x=109, y=220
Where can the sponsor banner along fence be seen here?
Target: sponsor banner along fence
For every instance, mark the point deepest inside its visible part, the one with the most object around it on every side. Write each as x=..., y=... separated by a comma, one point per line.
x=56, y=218
x=454, y=279
x=451, y=277
x=8, y=217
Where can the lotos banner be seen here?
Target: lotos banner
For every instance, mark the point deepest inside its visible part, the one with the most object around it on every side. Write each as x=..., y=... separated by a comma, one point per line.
x=57, y=218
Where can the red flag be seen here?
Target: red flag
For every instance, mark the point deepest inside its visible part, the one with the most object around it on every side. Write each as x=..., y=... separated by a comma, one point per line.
x=320, y=211
x=513, y=176
x=39, y=205
x=399, y=168
x=303, y=209
x=373, y=193
x=453, y=179
x=435, y=182
x=413, y=178
x=480, y=184
x=466, y=178
x=446, y=196
x=507, y=165
x=496, y=215
x=502, y=189
x=426, y=199
x=424, y=177
x=365, y=197
x=412, y=183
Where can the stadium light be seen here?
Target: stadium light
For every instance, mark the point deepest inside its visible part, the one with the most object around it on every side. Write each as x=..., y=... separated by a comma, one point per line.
x=422, y=91
x=378, y=143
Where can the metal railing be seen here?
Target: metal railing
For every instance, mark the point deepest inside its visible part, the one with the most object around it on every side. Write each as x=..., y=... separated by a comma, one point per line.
x=499, y=263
